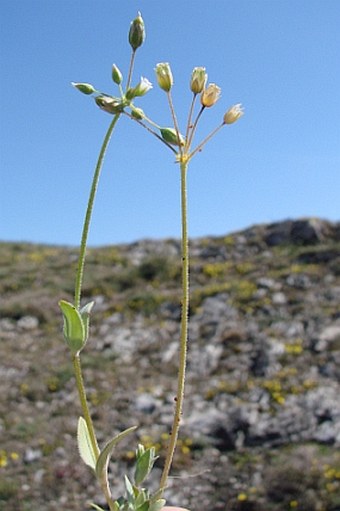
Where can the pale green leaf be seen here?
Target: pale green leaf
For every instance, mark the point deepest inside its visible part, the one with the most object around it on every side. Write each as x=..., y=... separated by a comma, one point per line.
x=157, y=505
x=84, y=444
x=103, y=460
x=85, y=316
x=74, y=330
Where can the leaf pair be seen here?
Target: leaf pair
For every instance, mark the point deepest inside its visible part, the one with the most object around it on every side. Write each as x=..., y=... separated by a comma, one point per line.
x=87, y=453
x=76, y=325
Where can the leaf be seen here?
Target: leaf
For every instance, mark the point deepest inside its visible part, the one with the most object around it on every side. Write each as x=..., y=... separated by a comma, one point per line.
x=129, y=490
x=103, y=460
x=143, y=507
x=85, y=316
x=144, y=465
x=157, y=505
x=74, y=330
x=84, y=444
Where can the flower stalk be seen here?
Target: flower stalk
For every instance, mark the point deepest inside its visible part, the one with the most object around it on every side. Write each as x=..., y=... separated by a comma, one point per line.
x=184, y=330
x=88, y=215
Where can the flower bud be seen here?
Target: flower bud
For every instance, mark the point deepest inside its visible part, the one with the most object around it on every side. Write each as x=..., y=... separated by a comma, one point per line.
x=233, y=114
x=164, y=76
x=141, y=88
x=109, y=104
x=117, y=76
x=198, y=80
x=137, y=32
x=170, y=136
x=137, y=113
x=210, y=95
x=85, y=88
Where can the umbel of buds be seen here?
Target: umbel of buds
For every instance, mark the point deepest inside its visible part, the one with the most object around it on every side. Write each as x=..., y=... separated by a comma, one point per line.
x=137, y=32
x=198, y=80
x=164, y=76
x=210, y=95
x=233, y=114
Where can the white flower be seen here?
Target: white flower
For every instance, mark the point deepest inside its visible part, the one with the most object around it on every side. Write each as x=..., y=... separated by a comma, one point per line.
x=143, y=87
x=210, y=95
x=233, y=114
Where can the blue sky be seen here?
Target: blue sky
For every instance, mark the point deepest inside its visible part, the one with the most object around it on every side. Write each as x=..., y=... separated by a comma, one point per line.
x=279, y=58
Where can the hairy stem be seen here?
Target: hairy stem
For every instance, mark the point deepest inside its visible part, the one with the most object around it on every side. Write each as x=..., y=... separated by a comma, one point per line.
x=184, y=330
x=86, y=412
x=88, y=215
x=83, y=403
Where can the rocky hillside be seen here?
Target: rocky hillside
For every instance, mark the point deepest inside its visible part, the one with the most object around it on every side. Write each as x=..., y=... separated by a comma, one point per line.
x=261, y=426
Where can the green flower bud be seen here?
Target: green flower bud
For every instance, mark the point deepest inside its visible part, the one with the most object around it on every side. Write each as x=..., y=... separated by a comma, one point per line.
x=137, y=32
x=170, y=136
x=109, y=104
x=137, y=113
x=198, y=80
x=233, y=114
x=210, y=95
x=85, y=88
x=117, y=76
x=164, y=76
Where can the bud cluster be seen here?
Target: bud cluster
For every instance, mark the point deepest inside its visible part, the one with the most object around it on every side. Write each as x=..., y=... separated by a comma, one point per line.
x=113, y=104
x=208, y=95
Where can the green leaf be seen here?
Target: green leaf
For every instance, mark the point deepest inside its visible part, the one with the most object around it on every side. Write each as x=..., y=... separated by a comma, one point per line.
x=74, y=329
x=103, y=460
x=129, y=490
x=143, y=507
x=157, y=505
x=85, y=316
x=84, y=444
x=142, y=497
x=144, y=465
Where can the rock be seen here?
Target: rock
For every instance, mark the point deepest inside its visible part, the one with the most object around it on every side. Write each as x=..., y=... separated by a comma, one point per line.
x=32, y=455
x=145, y=403
x=28, y=323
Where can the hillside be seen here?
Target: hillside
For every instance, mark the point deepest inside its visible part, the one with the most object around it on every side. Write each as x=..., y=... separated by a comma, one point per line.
x=261, y=424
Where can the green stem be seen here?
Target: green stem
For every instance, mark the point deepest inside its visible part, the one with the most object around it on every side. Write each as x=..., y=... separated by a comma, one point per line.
x=84, y=405
x=86, y=226
x=184, y=330
x=86, y=412
x=132, y=62
x=174, y=118
x=189, y=125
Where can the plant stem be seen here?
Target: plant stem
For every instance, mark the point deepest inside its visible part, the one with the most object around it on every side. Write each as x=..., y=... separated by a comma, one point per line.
x=83, y=403
x=132, y=62
x=184, y=330
x=89, y=423
x=77, y=297
x=174, y=118
x=86, y=226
